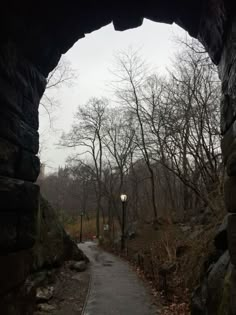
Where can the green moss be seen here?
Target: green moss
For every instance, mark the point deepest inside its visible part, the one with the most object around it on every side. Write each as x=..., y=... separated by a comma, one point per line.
x=224, y=308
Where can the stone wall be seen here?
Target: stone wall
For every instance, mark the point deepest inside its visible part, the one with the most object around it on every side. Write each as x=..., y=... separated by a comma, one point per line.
x=227, y=71
x=21, y=87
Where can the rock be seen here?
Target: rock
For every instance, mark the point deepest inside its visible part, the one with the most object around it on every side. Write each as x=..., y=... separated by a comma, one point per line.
x=221, y=240
x=46, y=308
x=27, y=166
x=18, y=132
x=20, y=299
x=18, y=163
x=16, y=272
x=231, y=162
x=44, y=294
x=207, y=298
x=230, y=193
x=54, y=246
x=78, y=266
x=198, y=300
x=18, y=214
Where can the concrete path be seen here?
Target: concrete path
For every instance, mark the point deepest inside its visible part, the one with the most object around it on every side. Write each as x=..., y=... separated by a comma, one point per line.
x=114, y=289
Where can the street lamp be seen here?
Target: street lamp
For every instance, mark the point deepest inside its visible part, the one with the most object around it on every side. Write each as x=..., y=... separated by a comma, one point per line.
x=123, y=198
x=81, y=226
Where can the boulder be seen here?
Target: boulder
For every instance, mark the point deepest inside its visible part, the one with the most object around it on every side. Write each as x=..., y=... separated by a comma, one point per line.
x=210, y=296
x=44, y=294
x=53, y=246
x=78, y=266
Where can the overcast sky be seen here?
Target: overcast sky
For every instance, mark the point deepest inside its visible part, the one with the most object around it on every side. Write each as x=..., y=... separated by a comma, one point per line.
x=91, y=58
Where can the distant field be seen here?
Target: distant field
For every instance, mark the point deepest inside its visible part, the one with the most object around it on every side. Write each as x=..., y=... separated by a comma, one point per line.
x=89, y=229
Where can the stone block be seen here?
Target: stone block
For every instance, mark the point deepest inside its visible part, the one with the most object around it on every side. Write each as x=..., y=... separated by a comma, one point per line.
x=228, y=113
x=9, y=153
x=212, y=27
x=12, y=99
x=227, y=72
x=17, y=163
x=30, y=113
x=231, y=232
x=231, y=163
x=17, y=131
x=21, y=73
x=228, y=142
x=18, y=214
x=21, y=85
x=13, y=274
x=27, y=167
x=230, y=193
x=18, y=194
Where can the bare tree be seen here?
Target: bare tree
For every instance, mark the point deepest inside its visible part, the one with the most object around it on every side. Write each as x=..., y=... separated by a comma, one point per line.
x=87, y=134
x=188, y=136
x=131, y=75
x=62, y=76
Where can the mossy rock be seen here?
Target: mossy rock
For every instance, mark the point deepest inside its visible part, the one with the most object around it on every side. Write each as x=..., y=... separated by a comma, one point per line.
x=53, y=245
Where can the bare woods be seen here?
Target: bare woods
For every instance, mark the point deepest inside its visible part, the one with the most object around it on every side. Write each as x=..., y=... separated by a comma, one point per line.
x=157, y=140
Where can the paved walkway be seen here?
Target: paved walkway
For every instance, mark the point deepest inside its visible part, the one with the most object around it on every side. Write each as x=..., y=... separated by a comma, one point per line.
x=114, y=289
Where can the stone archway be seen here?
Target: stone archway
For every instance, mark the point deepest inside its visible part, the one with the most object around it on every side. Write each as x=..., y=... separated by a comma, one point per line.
x=33, y=38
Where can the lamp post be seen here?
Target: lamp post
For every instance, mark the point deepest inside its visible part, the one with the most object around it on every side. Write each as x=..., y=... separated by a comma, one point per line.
x=81, y=226
x=123, y=198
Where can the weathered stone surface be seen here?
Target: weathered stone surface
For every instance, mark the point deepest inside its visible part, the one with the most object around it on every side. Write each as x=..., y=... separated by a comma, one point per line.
x=78, y=265
x=18, y=163
x=50, y=30
x=230, y=193
x=231, y=164
x=217, y=273
x=17, y=131
x=18, y=214
x=18, y=301
x=208, y=298
x=227, y=72
x=9, y=153
x=16, y=272
x=11, y=97
x=48, y=308
x=44, y=294
x=53, y=245
x=27, y=167
x=232, y=237
x=18, y=195
x=228, y=142
x=212, y=27
x=21, y=74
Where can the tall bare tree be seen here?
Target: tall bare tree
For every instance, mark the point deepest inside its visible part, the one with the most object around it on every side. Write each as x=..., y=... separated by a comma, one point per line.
x=87, y=135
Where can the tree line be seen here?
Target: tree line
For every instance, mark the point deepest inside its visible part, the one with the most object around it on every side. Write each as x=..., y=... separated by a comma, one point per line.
x=158, y=141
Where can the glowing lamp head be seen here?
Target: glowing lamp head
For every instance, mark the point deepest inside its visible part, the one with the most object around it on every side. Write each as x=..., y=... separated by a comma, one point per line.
x=123, y=198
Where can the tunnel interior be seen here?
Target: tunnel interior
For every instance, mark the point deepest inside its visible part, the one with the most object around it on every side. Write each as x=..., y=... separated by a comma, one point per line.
x=33, y=39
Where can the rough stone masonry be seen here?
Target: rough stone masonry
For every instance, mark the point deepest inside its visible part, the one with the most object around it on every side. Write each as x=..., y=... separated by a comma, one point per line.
x=33, y=36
